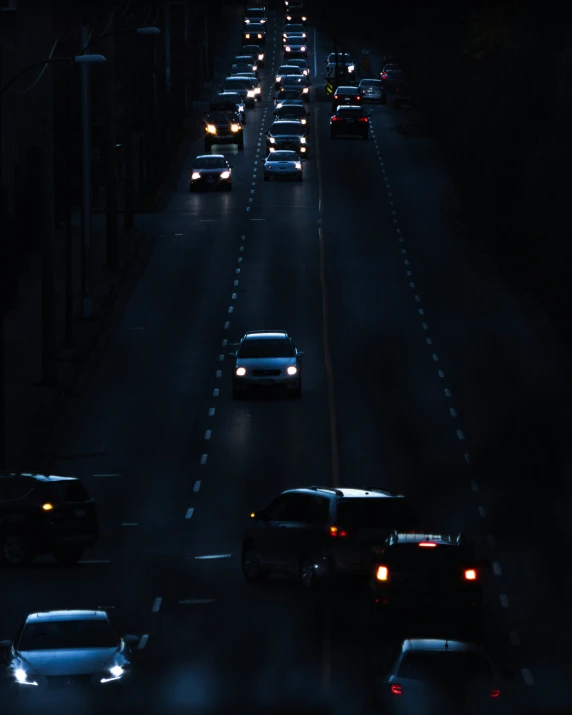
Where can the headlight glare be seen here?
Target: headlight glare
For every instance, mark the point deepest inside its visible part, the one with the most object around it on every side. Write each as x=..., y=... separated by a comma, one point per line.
x=260, y=58
x=351, y=68
x=20, y=675
x=257, y=90
x=211, y=128
x=117, y=671
x=303, y=121
x=298, y=164
x=291, y=370
x=287, y=49
x=272, y=140
x=305, y=90
x=302, y=140
x=225, y=175
x=303, y=48
x=195, y=175
x=240, y=371
x=250, y=93
x=235, y=127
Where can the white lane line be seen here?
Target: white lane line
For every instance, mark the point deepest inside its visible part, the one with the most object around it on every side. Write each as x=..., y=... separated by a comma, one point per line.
x=212, y=556
x=204, y=458
x=235, y=283
x=468, y=459
x=496, y=568
x=441, y=373
x=429, y=341
x=94, y=561
x=129, y=523
x=503, y=600
x=239, y=260
x=219, y=373
x=197, y=485
x=227, y=324
x=189, y=513
x=196, y=601
x=417, y=298
x=178, y=234
x=231, y=309
x=425, y=326
x=411, y=283
x=527, y=676
x=143, y=641
x=224, y=342
x=208, y=434
x=435, y=357
x=514, y=639
x=241, y=248
x=156, y=605
x=447, y=392
x=482, y=511
x=475, y=486
x=108, y=475
x=233, y=297
x=491, y=539
x=460, y=434
x=216, y=392
x=406, y=262
x=248, y=208
x=211, y=411
x=453, y=412
x=220, y=358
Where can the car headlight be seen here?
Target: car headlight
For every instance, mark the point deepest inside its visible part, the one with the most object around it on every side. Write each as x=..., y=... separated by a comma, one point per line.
x=302, y=148
x=298, y=165
x=351, y=68
x=247, y=21
x=21, y=677
x=292, y=370
x=260, y=58
x=195, y=175
x=277, y=80
x=287, y=49
x=304, y=19
x=306, y=72
x=303, y=121
x=303, y=48
x=247, y=36
x=263, y=22
x=304, y=35
x=211, y=128
x=284, y=34
x=259, y=37
x=250, y=93
x=255, y=68
x=302, y=140
x=116, y=672
x=225, y=175
x=241, y=371
x=257, y=90
x=235, y=127
x=272, y=149
x=305, y=90
x=272, y=140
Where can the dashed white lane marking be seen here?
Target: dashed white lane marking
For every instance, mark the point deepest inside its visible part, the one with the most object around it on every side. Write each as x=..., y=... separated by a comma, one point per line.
x=441, y=373
x=107, y=475
x=224, y=342
x=496, y=568
x=156, y=605
x=220, y=358
x=219, y=373
x=227, y=324
x=211, y=411
x=204, y=458
x=435, y=357
x=514, y=639
x=418, y=299
x=129, y=523
x=527, y=676
x=208, y=434
x=231, y=309
x=143, y=641
x=475, y=486
x=453, y=412
x=94, y=561
x=429, y=341
x=425, y=326
x=482, y=511
x=212, y=556
x=178, y=234
x=468, y=459
x=460, y=434
x=216, y=392
x=189, y=513
x=195, y=601
x=491, y=539
x=235, y=283
x=503, y=598
x=233, y=297
x=447, y=392
x=197, y=485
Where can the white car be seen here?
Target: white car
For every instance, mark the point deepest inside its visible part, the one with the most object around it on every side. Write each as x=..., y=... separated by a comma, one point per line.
x=344, y=60
x=283, y=165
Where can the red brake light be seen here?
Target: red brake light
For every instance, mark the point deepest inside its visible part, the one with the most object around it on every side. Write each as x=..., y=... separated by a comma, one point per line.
x=384, y=75
x=382, y=573
x=358, y=97
x=335, y=96
x=334, y=531
x=337, y=119
x=427, y=544
x=363, y=119
x=470, y=574
x=495, y=693
x=396, y=689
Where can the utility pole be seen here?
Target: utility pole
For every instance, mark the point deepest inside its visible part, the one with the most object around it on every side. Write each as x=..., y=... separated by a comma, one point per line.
x=49, y=318
x=86, y=291
x=112, y=182
x=3, y=297
x=69, y=246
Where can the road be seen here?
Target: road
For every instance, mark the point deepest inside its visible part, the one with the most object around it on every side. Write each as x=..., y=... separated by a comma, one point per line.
x=399, y=382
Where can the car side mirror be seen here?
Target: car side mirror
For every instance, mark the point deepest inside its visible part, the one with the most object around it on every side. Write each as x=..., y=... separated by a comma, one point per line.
x=5, y=645
x=131, y=640
x=300, y=353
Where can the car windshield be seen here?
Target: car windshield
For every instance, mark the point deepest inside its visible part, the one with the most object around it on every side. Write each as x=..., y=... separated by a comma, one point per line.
x=291, y=110
x=240, y=82
x=302, y=64
x=255, y=49
x=222, y=116
x=255, y=12
x=244, y=59
x=413, y=557
x=288, y=69
x=452, y=666
x=377, y=513
x=282, y=156
x=49, y=635
x=209, y=162
x=266, y=348
x=295, y=29
x=370, y=83
x=289, y=93
x=287, y=128
x=294, y=81
x=350, y=113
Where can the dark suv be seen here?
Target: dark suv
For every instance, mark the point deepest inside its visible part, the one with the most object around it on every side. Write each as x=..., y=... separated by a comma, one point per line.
x=316, y=532
x=223, y=128
x=427, y=569
x=45, y=515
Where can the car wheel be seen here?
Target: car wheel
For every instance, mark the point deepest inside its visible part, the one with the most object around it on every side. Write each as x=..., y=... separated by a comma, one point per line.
x=251, y=568
x=307, y=574
x=15, y=550
x=69, y=554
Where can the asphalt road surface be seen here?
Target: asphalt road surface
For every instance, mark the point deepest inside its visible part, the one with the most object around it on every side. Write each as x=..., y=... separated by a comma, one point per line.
x=421, y=375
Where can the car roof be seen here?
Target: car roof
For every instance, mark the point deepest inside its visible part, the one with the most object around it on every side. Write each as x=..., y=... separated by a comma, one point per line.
x=279, y=121
x=291, y=153
x=265, y=334
x=67, y=616
x=210, y=156
x=439, y=539
x=349, y=492
x=254, y=24
x=439, y=644
x=45, y=478
x=351, y=106
x=347, y=88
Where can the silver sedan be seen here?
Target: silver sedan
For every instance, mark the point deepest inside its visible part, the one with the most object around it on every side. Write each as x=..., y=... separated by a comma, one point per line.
x=266, y=359
x=371, y=89
x=283, y=165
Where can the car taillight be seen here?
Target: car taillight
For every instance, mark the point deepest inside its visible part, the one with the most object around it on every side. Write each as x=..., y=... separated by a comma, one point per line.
x=495, y=693
x=334, y=531
x=358, y=97
x=427, y=544
x=336, y=119
x=470, y=575
x=384, y=75
x=335, y=96
x=363, y=119
x=382, y=573
x=396, y=689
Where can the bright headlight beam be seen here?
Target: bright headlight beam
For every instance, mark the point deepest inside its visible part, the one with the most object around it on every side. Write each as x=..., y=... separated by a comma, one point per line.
x=20, y=675
x=117, y=671
x=240, y=371
x=291, y=370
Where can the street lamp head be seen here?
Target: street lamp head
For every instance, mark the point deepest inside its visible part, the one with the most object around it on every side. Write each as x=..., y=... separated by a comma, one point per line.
x=89, y=59
x=148, y=31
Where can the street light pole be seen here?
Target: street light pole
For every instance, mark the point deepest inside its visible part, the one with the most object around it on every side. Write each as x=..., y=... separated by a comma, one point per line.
x=86, y=293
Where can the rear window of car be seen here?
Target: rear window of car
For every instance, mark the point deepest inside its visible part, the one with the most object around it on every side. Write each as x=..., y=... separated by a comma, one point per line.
x=350, y=112
x=377, y=513
x=451, y=666
x=370, y=83
x=413, y=556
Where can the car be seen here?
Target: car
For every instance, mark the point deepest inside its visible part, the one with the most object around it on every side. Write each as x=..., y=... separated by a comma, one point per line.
x=350, y=120
x=288, y=134
x=349, y=96
x=238, y=68
x=295, y=48
x=66, y=649
x=266, y=359
x=296, y=14
x=228, y=102
x=292, y=111
x=451, y=676
x=345, y=62
x=223, y=128
x=331, y=532
x=242, y=86
x=288, y=95
x=284, y=70
x=390, y=79
x=283, y=165
x=256, y=86
x=298, y=82
x=41, y=514
x=301, y=63
x=387, y=68
x=256, y=51
x=399, y=93
x=210, y=171
x=293, y=29
x=371, y=89
x=255, y=15
x=254, y=31
x=433, y=570
x=250, y=60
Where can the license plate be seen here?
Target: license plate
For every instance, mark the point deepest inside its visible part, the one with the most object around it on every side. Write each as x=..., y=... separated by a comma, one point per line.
x=79, y=512
x=267, y=382
x=282, y=168
x=210, y=181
